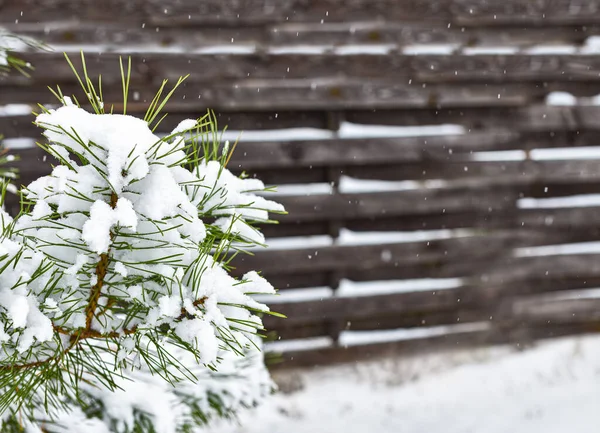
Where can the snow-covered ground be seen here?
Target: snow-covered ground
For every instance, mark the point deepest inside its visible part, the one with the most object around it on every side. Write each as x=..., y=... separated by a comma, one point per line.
x=552, y=388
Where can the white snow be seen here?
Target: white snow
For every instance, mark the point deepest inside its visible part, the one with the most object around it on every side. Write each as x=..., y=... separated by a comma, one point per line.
x=583, y=200
x=299, y=49
x=15, y=110
x=303, y=189
x=357, y=338
x=352, y=185
x=490, y=50
x=429, y=49
x=551, y=49
x=293, y=242
x=96, y=230
x=355, y=130
x=288, y=134
x=562, y=249
x=296, y=295
x=551, y=154
x=561, y=98
x=500, y=155
x=590, y=293
x=227, y=49
x=10, y=42
x=18, y=143
x=565, y=153
x=373, y=49
x=296, y=345
x=591, y=45
x=349, y=237
x=553, y=388
x=346, y=130
x=350, y=288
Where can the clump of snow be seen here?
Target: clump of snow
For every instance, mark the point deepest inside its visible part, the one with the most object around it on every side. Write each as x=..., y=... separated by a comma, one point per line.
x=561, y=98
x=591, y=45
x=15, y=110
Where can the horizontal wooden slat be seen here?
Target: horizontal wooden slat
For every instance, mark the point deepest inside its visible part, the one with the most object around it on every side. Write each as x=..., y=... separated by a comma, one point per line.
x=306, y=95
x=518, y=336
x=496, y=266
x=345, y=152
x=520, y=174
x=483, y=69
x=302, y=95
x=539, y=125
x=576, y=220
x=500, y=302
x=112, y=34
x=506, y=127
x=532, y=118
x=22, y=125
x=472, y=196
x=232, y=12
x=283, y=329
x=484, y=247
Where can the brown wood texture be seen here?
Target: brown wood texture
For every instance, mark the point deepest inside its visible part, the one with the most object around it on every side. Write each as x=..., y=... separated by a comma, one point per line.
x=192, y=12
x=304, y=64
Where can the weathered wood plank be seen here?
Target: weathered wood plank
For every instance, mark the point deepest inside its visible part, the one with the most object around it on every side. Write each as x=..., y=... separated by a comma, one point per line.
x=282, y=330
x=578, y=220
x=269, y=95
x=412, y=202
x=517, y=336
x=489, y=68
x=508, y=304
x=530, y=177
x=530, y=119
x=22, y=126
x=112, y=34
x=301, y=94
x=476, y=195
x=504, y=302
x=543, y=310
x=574, y=219
x=405, y=158
x=423, y=32
x=231, y=12
x=497, y=268
x=483, y=247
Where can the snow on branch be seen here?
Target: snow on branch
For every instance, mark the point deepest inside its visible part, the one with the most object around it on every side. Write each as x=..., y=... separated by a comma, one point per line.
x=118, y=310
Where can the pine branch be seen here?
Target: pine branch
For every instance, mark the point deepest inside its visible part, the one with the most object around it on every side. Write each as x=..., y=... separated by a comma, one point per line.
x=123, y=255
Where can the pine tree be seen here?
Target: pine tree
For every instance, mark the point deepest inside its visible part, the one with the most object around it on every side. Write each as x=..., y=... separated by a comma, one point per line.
x=118, y=310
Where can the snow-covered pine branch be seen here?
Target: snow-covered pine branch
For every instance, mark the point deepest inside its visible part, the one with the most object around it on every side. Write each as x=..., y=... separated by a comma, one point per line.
x=118, y=312
x=9, y=43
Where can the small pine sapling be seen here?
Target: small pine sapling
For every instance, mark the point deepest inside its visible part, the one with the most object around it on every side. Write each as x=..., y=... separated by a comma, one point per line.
x=118, y=310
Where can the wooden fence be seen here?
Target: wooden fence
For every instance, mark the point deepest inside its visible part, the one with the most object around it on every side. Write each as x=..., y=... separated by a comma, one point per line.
x=460, y=257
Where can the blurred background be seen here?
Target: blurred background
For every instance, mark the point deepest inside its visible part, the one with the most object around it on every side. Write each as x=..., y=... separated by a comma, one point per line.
x=440, y=163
